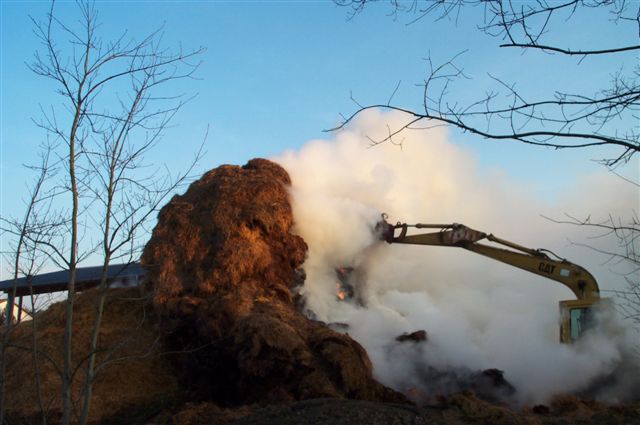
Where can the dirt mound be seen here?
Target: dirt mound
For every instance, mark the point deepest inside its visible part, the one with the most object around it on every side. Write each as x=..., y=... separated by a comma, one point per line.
x=202, y=413
x=417, y=336
x=221, y=264
x=463, y=408
x=135, y=381
x=488, y=385
x=344, y=412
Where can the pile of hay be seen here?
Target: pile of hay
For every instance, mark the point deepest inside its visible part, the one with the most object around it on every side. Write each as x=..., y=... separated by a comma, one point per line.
x=221, y=266
x=134, y=380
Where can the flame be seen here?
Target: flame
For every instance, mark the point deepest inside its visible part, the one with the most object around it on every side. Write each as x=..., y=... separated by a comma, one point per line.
x=340, y=292
x=344, y=291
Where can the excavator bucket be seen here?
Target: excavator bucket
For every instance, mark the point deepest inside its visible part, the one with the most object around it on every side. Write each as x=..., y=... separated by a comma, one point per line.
x=384, y=230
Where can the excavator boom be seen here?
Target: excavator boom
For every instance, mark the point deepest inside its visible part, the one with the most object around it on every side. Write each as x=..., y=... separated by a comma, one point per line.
x=575, y=277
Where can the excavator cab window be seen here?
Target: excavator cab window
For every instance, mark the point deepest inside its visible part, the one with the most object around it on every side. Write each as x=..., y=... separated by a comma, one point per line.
x=581, y=320
x=578, y=316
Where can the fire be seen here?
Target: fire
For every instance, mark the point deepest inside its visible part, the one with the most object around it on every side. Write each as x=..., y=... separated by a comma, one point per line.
x=341, y=293
x=344, y=288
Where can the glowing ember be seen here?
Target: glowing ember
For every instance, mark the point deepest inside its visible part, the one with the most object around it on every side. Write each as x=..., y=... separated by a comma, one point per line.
x=341, y=293
x=344, y=289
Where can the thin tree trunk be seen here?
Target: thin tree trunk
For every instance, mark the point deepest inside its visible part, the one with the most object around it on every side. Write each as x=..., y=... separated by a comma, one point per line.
x=6, y=329
x=67, y=342
x=88, y=384
x=9, y=316
x=36, y=364
x=67, y=377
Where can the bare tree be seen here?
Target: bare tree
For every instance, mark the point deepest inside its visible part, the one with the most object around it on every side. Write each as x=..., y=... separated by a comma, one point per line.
x=561, y=120
x=27, y=260
x=126, y=196
x=114, y=111
x=625, y=259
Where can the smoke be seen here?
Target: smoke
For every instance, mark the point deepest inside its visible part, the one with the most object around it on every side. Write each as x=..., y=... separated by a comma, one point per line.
x=478, y=313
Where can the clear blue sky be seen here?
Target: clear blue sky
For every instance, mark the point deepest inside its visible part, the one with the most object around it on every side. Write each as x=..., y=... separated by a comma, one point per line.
x=276, y=74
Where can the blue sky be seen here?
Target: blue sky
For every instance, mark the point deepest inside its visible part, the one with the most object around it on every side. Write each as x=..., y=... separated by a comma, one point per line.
x=275, y=74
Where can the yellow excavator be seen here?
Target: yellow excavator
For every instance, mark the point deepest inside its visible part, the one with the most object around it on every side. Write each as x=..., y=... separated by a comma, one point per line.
x=577, y=316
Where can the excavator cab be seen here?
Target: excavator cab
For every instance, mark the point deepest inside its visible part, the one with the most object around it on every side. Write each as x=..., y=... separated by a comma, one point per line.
x=579, y=316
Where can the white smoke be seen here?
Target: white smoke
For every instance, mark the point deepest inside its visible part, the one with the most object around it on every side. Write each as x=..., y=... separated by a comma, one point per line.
x=478, y=313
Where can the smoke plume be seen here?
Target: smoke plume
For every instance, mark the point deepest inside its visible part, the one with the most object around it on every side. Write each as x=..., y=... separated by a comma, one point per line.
x=478, y=313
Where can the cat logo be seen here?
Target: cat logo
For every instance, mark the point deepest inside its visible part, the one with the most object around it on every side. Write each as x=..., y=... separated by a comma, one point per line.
x=546, y=267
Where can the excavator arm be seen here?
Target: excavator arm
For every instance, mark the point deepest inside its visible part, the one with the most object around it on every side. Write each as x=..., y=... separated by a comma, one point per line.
x=575, y=313
x=576, y=278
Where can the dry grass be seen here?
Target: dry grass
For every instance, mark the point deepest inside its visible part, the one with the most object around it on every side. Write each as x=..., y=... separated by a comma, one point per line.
x=132, y=370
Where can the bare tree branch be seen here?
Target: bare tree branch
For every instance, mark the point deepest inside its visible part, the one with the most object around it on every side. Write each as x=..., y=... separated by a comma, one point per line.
x=559, y=120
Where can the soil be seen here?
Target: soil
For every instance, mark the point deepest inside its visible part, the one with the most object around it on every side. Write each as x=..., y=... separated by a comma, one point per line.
x=459, y=409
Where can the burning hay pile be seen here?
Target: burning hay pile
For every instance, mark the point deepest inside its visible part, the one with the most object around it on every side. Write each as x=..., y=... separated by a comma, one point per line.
x=222, y=266
x=222, y=263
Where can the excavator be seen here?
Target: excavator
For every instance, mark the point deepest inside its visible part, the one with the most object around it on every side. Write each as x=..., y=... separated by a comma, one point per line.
x=577, y=316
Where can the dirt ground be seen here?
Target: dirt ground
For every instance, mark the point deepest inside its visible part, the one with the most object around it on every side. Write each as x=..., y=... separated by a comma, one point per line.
x=458, y=409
